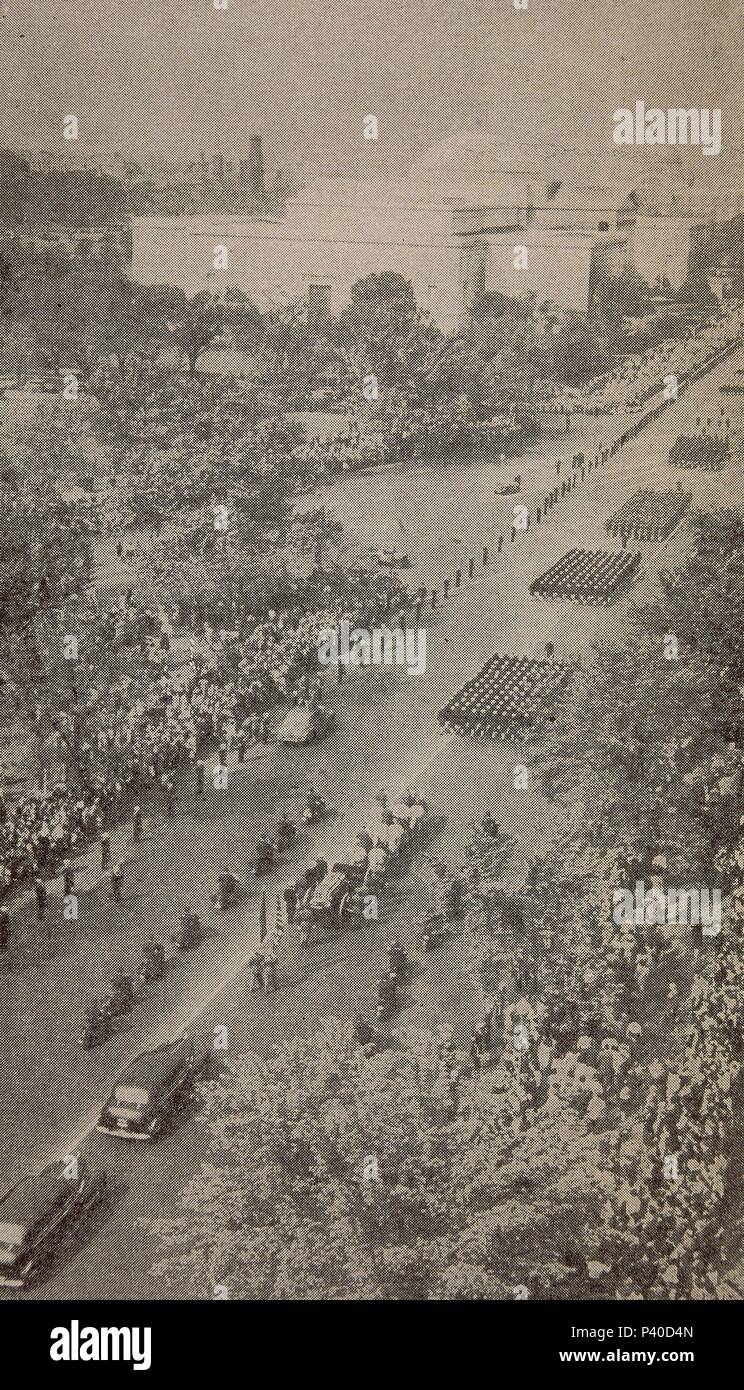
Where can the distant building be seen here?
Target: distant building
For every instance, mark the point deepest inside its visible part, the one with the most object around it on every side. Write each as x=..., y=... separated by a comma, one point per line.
x=109, y=246
x=252, y=169
x=452, y=228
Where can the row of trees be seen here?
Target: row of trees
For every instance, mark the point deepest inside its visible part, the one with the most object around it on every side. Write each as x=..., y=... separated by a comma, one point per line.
x=60, y=314
x=66, y=314
x=398, y=1176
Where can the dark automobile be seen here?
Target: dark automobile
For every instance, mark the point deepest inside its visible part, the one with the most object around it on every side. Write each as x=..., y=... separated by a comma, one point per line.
x=38, y=1211
x=151, y=1088
x=389, y=558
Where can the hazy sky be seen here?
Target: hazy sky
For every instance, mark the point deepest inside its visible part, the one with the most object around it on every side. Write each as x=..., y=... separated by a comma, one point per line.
x=178, y=76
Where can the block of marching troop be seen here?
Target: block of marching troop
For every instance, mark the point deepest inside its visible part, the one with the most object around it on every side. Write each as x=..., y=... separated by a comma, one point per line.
x=588, y=576
x=511, y=697
x=649, y=515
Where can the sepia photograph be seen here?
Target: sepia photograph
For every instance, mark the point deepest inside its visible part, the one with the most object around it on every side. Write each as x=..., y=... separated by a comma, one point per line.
x=371, y=665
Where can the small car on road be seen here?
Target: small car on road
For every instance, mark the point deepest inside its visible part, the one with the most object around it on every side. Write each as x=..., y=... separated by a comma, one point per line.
x=305, y=724
x=389, y=558
x=39, y=1211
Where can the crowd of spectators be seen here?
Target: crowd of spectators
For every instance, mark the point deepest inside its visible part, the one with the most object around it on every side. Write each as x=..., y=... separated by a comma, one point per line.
x=150, y=730
x=629, y=385
x=642, y=1038
x=416, y=434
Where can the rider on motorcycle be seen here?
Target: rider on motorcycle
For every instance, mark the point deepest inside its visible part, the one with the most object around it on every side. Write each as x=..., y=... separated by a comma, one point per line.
x=227, y=883
x=97, y=1025
x=190, y=932
x=264, y=850
x=122, y=985
x=387, y=991
x=315, y=805
x=365, y=1033
x=398, y=960
x=285, y=831
x=154, y=954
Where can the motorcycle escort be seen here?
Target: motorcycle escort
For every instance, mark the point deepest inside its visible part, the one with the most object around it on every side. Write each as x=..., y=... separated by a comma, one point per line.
x=120, y=999
x=190, y=933
x=367, y=1036
x=285, y=834
x=98, y=1027
x=227, y=890
x=152, y=965
x=434, y=931
x=316, y=809
x=387, y=998
x=398, y=962
x=263, y=859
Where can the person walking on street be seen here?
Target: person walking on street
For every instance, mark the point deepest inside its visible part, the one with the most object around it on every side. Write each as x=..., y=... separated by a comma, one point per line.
x=200, y=777
x=4, y=929
x=136, y=825
x=68, y=878
x=255, y=965
x=269, y=952
x=105, y=851
x=290, y=902
x=41, y=897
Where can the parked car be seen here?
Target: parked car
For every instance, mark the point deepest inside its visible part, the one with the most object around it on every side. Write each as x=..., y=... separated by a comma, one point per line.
x=389, y=558
x=38, y=1211
x=305, y=723
x=151, y=1088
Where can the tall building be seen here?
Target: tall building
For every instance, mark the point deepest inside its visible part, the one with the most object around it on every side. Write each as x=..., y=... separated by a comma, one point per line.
x=254, y=165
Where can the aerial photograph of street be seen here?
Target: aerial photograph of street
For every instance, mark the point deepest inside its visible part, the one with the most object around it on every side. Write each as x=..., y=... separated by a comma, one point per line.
x=371, y=668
